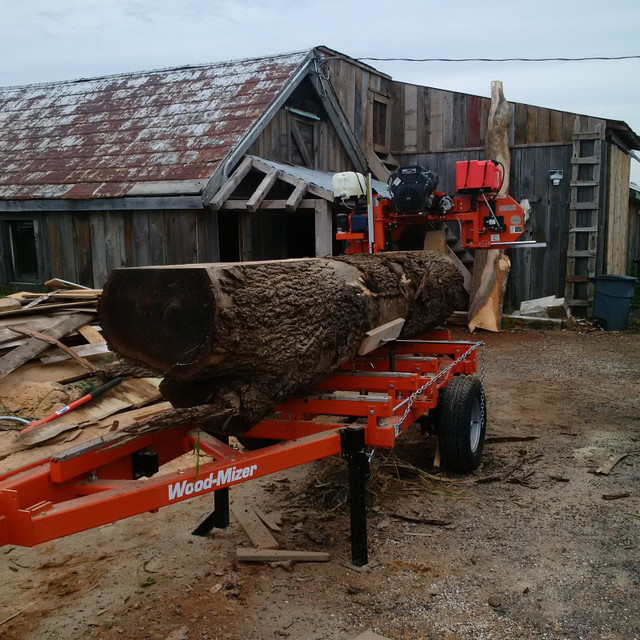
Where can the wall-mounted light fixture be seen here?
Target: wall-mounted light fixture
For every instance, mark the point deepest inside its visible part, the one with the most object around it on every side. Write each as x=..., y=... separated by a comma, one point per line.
x=555, y=175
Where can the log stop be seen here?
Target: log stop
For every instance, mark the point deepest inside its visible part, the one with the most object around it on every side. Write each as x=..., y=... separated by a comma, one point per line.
x=234, y=340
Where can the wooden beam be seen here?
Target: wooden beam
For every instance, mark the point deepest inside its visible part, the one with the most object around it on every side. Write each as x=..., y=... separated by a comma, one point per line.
x=323, y=229
x=295, y=198
x=380, y=172
x=231, y=184
x=253, y=203
x=288, y=178
x=241, y=205
x=136, y=203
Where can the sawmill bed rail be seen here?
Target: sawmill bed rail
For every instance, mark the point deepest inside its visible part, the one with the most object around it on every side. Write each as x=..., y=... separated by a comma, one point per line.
x=101, y=480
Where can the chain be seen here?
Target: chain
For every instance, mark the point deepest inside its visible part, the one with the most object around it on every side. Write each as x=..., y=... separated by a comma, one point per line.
x=437, y=377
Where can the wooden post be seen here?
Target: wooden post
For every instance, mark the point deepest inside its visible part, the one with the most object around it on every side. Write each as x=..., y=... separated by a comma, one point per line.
x=323, y=229
x=491, y=267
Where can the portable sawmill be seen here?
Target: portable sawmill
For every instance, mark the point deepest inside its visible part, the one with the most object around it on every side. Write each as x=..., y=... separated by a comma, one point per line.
x=388, y=383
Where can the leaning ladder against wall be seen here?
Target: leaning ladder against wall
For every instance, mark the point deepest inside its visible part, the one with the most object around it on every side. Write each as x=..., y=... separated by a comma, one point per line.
x=583, y=218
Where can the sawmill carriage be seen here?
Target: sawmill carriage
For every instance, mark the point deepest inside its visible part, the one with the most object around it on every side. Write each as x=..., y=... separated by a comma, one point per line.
x=392, y=368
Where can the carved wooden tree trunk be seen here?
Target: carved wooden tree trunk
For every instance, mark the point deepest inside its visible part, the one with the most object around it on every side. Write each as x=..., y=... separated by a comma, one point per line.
x=491, y=267
x=235, y=340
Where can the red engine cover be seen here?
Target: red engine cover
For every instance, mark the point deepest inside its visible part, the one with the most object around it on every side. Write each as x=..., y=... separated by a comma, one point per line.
x=477, y=175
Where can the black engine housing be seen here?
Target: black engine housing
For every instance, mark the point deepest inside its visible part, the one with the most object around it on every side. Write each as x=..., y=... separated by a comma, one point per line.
x=410, y=187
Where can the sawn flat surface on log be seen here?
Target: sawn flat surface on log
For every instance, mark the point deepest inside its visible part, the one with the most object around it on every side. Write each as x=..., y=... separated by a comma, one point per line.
x=235, y=340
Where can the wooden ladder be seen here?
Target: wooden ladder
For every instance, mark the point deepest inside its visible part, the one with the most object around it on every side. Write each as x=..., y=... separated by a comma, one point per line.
x=583, y=219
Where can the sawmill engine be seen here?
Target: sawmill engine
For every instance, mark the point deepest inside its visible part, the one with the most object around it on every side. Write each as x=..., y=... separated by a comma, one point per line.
x=412, y=188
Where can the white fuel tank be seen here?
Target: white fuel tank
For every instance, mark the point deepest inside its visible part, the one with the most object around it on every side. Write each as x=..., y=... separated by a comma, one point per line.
x=349, y=184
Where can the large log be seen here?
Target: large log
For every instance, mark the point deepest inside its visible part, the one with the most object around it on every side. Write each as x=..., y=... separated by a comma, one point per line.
x=235, y=340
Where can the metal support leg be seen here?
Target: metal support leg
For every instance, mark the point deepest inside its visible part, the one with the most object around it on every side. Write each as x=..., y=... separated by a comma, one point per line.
x=353, y=449
x=392, y=356
x=219, y=519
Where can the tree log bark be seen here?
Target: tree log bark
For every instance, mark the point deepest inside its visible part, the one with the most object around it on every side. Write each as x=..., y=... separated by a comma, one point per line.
x=235, y=340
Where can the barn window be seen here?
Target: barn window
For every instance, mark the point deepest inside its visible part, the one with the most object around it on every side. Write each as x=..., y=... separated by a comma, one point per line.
x=381, y=128
x=22, y=246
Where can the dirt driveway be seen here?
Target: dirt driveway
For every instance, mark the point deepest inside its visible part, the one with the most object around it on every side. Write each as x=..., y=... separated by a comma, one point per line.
x=534, y=548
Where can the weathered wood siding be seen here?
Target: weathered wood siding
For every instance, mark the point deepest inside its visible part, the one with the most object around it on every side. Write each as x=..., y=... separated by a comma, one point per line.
x=84, y=247
x=283, y=136
x=424, y=119
x=617, y=211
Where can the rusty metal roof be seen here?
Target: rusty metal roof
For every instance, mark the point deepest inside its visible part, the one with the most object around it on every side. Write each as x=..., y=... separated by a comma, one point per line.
x=98, y=138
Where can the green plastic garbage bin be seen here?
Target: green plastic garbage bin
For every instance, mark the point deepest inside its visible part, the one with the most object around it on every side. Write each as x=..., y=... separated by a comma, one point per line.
x=612, y=300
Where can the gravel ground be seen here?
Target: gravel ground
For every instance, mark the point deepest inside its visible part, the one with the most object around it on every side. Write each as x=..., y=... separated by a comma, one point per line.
x=533, y=550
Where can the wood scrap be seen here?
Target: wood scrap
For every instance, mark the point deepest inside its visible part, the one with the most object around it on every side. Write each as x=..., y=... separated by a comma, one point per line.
x=56, y=306
x=90, y=334
x=280, y=555
x=54, y=341
x=256, y=531
x=83, y=351
x=121, y=398
x=606, y=467
x=615, y=496
x=266, y=519
x=34, y=346
x=58, y=283
x=9, y=304
x=494, y=439
x=420, y=520
x=38, y=300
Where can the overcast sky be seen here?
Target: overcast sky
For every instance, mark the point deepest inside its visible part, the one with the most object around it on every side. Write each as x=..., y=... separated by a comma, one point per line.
x=45, y=40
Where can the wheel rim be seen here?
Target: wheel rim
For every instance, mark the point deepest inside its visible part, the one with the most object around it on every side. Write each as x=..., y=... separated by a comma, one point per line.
x=476, y=424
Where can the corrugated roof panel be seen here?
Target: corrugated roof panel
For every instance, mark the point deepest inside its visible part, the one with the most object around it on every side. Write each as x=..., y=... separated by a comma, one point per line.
x=97, y=138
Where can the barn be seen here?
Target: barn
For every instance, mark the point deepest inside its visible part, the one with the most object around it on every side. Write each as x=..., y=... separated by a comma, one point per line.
x=233, y=161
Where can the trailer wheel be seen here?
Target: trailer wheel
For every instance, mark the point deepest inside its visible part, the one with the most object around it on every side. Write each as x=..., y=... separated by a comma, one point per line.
x=461, y=424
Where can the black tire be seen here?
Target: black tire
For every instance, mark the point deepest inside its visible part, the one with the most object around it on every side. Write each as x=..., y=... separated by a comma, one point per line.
x=462, y=424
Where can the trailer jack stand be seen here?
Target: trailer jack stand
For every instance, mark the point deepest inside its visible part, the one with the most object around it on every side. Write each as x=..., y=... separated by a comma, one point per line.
x=352, y=443
x=219, y=518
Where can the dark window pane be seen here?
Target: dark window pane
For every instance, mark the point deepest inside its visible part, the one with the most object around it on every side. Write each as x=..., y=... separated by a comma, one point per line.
x=23, y=251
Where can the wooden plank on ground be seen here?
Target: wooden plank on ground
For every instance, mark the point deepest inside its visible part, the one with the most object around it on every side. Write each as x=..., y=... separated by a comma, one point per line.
x=34, y=346
x=253, y=527
x=266, y=519
x=281, y=555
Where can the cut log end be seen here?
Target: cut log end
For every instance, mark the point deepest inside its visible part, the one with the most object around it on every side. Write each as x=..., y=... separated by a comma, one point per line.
x=158, y=316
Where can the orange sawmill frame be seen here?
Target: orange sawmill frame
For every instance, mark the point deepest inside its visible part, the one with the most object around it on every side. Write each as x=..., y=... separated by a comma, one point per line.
x=105, y=479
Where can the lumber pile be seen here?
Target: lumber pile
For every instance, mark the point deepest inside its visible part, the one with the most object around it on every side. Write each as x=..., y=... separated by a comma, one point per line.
x=235, y=340
x=62, y=295
x=52, y=352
